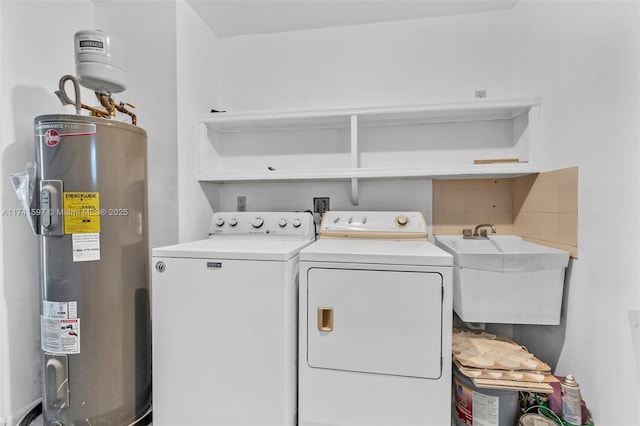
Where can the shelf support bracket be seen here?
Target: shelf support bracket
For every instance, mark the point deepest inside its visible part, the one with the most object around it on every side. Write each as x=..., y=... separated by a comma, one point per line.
x=354, y=191
x=355, y=164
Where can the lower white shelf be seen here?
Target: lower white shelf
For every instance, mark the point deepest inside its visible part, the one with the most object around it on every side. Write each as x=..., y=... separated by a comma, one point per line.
x=476, y=171
x=435, y=172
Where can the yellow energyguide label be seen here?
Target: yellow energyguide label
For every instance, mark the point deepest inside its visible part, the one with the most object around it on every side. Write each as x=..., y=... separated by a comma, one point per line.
x=81, y=212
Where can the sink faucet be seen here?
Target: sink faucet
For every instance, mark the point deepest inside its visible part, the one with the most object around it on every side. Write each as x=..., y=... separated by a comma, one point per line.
x=483, y=232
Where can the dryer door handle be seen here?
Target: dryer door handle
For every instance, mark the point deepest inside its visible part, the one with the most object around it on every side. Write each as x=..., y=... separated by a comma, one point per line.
x=325, y=318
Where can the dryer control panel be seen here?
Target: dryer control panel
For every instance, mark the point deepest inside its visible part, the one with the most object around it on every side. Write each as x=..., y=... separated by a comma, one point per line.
x=267, y=224
x=373, y=224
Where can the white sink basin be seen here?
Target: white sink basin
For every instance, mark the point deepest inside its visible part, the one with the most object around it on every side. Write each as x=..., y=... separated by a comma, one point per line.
x=501, y=253
x=504, y=279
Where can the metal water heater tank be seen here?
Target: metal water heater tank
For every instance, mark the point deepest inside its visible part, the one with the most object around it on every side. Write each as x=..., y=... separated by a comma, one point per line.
x=94, y=270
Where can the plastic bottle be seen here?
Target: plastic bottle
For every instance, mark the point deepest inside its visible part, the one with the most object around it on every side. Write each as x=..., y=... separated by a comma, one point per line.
x=571, y=410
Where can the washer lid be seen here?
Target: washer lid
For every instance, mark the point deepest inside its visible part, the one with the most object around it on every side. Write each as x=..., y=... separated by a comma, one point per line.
x=394, y=252
x=234, y=249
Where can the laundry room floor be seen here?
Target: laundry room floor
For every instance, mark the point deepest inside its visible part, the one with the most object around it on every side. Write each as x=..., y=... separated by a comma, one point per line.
x=38, y=422
x=145, y=421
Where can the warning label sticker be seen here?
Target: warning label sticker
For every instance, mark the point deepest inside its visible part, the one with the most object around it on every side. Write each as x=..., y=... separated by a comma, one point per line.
x=85, y=247
x=81, y=212
x=60, y=327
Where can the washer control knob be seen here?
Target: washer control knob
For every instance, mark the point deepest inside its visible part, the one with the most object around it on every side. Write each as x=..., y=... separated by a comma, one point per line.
x=257, y=222
x=282, y=223
x=219, y=221
x=296, y=223
x=402, y=220
x=233, y=221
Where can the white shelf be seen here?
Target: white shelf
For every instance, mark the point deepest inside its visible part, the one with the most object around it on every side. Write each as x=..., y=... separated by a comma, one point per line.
x=474, y=110
x=375, y=142
x=444, y=172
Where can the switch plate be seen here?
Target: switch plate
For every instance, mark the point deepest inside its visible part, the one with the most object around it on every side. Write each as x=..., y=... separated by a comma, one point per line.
x=634, y=322
x=242, y=203
x=320, y=204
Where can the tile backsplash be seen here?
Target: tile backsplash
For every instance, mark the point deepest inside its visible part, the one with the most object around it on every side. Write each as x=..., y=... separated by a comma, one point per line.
x=546, y=209
x=465, y=203
x=542, y=208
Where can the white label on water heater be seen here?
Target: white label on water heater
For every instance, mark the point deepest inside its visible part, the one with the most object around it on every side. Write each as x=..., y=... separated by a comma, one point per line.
x=86, y=247
x=60, y=327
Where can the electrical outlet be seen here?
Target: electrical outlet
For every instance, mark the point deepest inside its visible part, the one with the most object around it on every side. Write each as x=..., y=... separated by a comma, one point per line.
x=242, y=203
x=320, y=204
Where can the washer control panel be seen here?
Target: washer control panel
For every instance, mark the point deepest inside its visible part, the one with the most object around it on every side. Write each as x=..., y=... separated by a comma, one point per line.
x=295, y=224
x=376, y=224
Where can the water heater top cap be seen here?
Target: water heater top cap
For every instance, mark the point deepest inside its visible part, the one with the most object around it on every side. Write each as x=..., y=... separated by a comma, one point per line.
x=100, y=64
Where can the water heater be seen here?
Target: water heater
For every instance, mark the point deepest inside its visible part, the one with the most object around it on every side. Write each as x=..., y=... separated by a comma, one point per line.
x=94, y=272
x=88, y=205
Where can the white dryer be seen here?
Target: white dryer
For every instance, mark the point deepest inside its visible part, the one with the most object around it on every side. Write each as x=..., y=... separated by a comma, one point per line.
x=225, y=323
x=375, y=323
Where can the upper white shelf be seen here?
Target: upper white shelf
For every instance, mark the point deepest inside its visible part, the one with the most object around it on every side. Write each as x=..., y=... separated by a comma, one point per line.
x=473, y=110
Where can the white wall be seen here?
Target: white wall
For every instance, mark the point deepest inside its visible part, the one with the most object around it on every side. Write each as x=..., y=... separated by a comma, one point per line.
x=198, y=93
x=36, y=50
x=148, y=31
x=4, y=377
x=420, y=61
x=584, y=59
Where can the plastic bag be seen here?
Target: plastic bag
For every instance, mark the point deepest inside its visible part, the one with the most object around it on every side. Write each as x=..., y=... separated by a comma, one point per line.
x=24, y=183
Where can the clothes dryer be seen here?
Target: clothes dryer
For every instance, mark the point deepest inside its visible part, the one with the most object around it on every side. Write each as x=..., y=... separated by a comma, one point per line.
x=225, y=323
x=375, y=323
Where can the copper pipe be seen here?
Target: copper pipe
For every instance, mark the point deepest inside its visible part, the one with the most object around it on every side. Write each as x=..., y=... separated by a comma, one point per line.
x=95, y=111
x=121, y=108
x=107, y=103
x=106, y=100
x=62, y=95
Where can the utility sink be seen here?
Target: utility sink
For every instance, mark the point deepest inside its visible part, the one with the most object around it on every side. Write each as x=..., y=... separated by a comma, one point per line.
x=501, y=253
x=505, y=279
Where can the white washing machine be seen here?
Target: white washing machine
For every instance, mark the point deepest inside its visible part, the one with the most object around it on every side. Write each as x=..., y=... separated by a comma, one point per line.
x=375, y=323
x=225, y=323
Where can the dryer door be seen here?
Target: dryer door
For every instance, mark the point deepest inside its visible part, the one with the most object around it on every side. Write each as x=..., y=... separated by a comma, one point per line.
x=385, y=322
